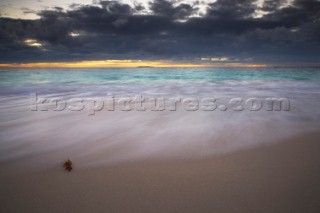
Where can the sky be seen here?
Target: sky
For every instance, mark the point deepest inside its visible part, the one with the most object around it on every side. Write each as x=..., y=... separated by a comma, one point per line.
x=190, y=32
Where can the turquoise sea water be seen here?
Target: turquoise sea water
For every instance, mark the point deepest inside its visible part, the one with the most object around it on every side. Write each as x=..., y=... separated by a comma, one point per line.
x=150, y=75
x=23, y=81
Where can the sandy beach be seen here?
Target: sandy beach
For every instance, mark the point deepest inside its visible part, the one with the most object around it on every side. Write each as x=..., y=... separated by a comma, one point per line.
x=282, y=177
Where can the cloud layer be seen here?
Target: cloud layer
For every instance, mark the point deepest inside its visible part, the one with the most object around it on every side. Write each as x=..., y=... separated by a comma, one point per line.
x=240, y=30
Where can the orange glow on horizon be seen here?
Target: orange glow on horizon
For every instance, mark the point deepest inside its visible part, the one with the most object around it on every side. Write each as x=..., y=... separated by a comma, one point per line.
x=126, y=64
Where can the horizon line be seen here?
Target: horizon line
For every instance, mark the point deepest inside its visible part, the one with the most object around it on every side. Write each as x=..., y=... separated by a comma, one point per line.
x=127, y=64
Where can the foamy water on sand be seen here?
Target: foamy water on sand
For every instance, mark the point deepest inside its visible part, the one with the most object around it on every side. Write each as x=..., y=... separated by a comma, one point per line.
x=110, y=137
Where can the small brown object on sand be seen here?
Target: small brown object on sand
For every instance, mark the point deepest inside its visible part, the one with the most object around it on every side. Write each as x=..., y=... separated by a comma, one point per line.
x=68, y=165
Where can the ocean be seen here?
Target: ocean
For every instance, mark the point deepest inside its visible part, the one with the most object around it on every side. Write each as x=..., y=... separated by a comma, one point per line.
x=205, y=112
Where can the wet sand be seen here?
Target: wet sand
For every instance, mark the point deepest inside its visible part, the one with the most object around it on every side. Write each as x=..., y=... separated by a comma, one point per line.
x=280, y=177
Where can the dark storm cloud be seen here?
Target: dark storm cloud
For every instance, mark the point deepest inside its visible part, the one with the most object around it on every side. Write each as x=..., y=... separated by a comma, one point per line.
x=300, y=12
x=271, y=5
x=231, y=9
x=167, y=9
x=118, y=31
x=113, y=7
